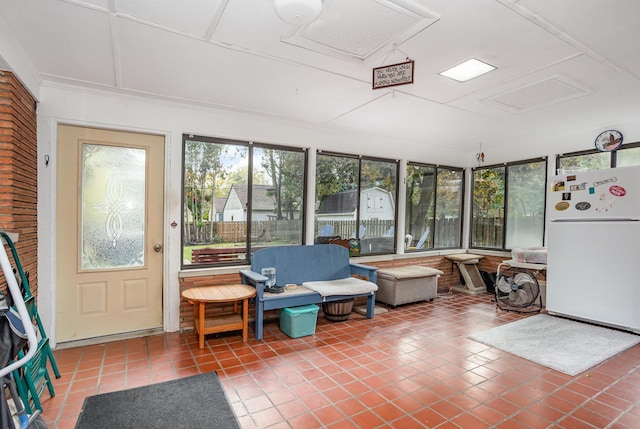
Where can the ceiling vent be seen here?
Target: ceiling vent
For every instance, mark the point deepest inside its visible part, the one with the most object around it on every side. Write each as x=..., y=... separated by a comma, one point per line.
x=547, y=92
x=358, y=29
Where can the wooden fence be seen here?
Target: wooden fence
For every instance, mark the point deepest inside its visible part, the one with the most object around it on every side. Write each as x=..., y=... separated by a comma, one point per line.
x=287, y=231
x=487, y=232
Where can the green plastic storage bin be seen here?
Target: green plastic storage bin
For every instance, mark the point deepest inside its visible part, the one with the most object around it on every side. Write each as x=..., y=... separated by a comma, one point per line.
x=299, y=321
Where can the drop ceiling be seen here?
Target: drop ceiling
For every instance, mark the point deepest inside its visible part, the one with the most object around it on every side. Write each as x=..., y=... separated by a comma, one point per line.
x=561, y=65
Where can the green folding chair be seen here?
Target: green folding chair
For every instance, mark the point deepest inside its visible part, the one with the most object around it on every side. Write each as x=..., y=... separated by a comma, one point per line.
x=33, y=377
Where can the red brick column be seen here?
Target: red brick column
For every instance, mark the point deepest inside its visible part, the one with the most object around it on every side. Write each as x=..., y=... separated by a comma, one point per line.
x=18, y=170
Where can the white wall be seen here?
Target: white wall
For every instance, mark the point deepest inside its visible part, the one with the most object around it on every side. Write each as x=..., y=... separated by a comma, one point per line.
x=96, y=108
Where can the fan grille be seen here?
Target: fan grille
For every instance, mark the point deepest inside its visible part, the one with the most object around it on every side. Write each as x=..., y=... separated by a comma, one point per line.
x=518, y=290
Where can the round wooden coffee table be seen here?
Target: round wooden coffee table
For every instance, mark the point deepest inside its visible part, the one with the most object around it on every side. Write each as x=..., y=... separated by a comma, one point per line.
x=234, y=293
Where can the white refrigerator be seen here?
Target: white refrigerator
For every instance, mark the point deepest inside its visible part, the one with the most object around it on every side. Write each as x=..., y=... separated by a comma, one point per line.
x=593, y=245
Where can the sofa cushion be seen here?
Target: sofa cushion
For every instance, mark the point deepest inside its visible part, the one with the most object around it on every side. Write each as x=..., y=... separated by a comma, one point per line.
x=409, y=272
x=346, y=286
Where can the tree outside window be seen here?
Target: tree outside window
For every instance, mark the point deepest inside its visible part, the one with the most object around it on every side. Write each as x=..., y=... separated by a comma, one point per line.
x=487, y=227
x=591, y=160
x=239, y=197
x=356, y=202
x=509, y=205
x=628, y=155
x=433, y=207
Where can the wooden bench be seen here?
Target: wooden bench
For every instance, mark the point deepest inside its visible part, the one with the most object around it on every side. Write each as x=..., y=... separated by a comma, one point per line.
x=218, y=254
x=322, y=273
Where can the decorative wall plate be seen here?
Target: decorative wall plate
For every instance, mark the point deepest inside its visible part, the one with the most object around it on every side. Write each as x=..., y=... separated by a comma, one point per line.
x=608, y=141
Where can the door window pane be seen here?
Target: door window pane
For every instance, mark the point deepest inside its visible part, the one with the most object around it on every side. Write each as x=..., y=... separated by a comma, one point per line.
x=113, y=207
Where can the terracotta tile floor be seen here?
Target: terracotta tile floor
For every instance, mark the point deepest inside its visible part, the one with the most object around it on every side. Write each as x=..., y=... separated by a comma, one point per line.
x=410, y=368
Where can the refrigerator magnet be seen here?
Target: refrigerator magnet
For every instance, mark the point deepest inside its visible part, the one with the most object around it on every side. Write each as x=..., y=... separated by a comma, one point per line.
x=618, y=191
x=583, y=205
x=562, y=206
x=566, y=196
x=580, y=187
x=558, y=186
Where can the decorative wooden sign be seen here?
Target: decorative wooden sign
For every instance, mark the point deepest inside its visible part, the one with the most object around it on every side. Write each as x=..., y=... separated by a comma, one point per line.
x=393, y=75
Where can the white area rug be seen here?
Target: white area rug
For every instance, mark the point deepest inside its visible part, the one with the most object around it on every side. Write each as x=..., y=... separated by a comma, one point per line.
x=564, y=345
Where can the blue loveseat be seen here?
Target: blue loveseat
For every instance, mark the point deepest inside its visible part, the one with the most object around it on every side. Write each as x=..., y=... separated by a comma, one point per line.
x=322, y=273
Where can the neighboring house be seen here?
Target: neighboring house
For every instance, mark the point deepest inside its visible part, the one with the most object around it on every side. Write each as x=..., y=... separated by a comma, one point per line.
x=216, y=212
x=375, y=203
x=263, y=207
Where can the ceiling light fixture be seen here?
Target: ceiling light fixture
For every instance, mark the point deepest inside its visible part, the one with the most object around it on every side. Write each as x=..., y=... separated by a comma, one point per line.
x=468, y=70
x=298, y=12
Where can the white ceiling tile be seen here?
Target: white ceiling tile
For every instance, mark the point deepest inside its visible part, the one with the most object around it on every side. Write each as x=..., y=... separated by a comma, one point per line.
x=213, y=73
x=64, y=40
x=188, y=16
x=158, y=48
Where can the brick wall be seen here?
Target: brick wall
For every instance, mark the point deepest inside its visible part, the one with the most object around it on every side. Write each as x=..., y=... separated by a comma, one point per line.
x=18, y=170
x=451, y=277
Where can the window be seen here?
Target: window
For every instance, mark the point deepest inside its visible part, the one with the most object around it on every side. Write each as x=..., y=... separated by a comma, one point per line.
x=356, y=199
x=433, y=207
x=628, y=155
x=582, y=161
x=526, y=186
x=239, y=197
x=509, y=205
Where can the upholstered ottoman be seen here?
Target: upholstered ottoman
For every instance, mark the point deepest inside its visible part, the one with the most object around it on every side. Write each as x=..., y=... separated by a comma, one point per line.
x=403, y=285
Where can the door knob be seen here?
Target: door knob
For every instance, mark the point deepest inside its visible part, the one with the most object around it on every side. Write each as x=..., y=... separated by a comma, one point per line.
x=157, y=247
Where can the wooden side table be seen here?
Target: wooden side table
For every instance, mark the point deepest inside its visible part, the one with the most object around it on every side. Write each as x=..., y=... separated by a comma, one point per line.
x=235, y=293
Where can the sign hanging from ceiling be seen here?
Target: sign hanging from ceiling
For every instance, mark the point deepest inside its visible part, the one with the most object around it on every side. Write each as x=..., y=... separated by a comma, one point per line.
x=393, y=75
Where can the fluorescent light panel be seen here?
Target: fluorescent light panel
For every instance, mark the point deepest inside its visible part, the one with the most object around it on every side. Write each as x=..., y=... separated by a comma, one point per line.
x=468, y=70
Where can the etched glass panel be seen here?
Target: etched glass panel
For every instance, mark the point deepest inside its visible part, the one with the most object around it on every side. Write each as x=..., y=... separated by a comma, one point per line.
x=113, y=207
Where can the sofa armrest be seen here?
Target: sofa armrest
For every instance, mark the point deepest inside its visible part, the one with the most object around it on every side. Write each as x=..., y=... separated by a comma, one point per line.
x=254, y=279
x=364, y=270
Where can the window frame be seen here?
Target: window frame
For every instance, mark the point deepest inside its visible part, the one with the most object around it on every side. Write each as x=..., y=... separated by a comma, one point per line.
x=361, y=158
x=506, y=166
x=437, y=168
x=250, y=146
x=613, y=156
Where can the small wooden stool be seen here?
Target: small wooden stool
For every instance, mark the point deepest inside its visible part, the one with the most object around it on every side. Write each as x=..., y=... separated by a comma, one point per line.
x=467, y=264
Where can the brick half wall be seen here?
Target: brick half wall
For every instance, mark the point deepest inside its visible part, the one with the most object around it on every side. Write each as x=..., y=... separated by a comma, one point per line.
x=451, y=277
